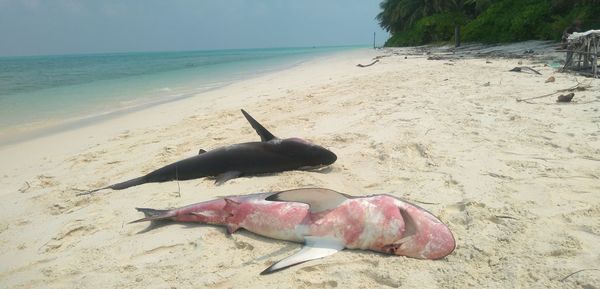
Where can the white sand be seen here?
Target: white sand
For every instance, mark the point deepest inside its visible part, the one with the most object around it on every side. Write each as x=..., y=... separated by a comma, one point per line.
x=516, y=182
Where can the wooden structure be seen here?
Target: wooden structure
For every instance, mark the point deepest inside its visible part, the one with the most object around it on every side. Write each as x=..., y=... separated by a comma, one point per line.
x=583, y=51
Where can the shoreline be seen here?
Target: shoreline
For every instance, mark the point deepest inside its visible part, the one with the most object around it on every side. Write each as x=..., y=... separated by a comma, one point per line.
x=98, y=130
x=514, y=181
x=74, y=123
x=16, y=133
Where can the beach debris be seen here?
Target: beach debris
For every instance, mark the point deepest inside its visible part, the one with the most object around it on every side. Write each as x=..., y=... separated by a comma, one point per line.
x=583, y=52
x=578, y=87
x=524, y=69
x=505, y=217
x=367, y=65
x=440, y=57
x=582, y=270
x=170, y=149
x=382, y=56
x=324, y=220
x=499, y=176
x=486, y=84
x=26, y=186
x=565, y=97
x=550, y=79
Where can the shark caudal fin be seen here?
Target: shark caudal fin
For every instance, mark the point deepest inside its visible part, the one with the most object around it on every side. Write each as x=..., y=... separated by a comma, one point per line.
x=118, y=186
x=153, y=215
x=264, y=134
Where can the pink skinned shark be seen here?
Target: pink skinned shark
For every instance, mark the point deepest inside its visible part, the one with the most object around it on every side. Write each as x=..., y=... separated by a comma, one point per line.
x=324, y=220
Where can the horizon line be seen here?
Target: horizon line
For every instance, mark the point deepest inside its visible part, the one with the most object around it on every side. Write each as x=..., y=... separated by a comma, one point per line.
x=182, y=50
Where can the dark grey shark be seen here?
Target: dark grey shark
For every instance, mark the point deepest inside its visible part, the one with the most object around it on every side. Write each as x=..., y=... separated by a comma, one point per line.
x=270, y=155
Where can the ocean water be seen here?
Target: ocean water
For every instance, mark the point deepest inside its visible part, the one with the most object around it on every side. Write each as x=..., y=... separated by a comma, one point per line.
x=38, y=92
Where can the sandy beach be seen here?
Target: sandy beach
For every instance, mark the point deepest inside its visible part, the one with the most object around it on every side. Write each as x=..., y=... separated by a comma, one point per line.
x=516, y=182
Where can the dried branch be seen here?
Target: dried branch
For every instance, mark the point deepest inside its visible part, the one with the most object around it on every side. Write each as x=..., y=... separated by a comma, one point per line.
x=367, y=65
x=521, y=68
x=565, y=278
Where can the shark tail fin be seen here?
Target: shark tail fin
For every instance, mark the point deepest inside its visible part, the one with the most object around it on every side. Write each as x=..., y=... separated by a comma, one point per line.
x=129, y=183
x=153, y=215
x=118, y=186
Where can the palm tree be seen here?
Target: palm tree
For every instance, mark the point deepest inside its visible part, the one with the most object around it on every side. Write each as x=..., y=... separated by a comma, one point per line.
x=388, y=17
x=399, y=15
x=463, y=10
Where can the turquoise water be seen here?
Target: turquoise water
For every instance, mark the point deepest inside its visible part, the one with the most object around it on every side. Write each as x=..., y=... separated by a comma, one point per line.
x=40, y=90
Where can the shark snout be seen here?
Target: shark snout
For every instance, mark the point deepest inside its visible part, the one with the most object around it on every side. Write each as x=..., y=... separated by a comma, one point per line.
x=424, y=235
x=428, y=242
x=328, y=157
x=310, y=154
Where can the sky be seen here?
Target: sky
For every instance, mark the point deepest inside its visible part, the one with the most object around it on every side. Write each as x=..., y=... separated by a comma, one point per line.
x=41, y=27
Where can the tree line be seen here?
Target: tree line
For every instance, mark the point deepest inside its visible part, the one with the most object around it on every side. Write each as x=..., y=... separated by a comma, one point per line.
x=417, y=22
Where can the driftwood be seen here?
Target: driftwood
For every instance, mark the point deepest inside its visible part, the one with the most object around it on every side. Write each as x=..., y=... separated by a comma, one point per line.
x=367, y=65
x=387, y=55
x=524, y=68
x=577, y=87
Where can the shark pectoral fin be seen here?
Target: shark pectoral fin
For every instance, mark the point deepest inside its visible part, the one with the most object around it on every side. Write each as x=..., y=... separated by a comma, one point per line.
x=264, y=134
x=314, y=248
x=318, y=199
x=231, y=228
x=226, y=176
x=201, y=151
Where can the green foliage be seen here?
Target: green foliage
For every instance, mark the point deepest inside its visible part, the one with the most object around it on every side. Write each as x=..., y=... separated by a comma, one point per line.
x=509, y=20
x=423, y=21
x=401, y=15
x=518, y=20
x=434, y=28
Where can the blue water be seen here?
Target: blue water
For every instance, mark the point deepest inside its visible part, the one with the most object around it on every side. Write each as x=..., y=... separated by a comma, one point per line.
x=37, y=90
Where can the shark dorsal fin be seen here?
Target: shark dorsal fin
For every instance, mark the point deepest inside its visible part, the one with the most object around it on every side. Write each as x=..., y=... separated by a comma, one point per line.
x=318, y=199
x=264, y=134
